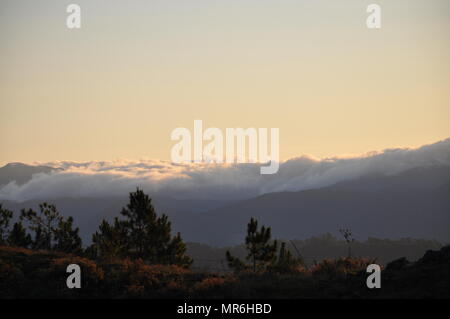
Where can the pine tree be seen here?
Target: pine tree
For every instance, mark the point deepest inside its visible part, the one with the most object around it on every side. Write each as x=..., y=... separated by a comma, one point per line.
x=347, y=234
x=285, y=261
x=18, y=236
x=43, y=224
x=141, y=234
x=235, y=263
x=5, y=218
x=41, y=240
x=261, y=249
x=175, y=252
x=67, y=238
x=51, y=230
x=109, y=241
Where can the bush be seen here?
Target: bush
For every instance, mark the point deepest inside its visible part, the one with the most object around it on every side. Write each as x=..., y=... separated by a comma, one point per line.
x=92, y=276
x=134, y=278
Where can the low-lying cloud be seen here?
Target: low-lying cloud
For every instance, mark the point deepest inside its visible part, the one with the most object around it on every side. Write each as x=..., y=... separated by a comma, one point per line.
x=213, y=181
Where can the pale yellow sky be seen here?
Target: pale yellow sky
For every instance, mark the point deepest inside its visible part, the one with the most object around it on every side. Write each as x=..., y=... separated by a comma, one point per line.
x=136, y=70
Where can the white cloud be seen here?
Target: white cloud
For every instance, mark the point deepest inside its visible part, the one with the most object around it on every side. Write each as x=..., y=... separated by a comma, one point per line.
x=212, y=181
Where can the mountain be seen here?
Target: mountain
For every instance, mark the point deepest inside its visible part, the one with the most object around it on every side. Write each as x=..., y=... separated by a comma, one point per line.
x=308, y=213
x=414, y=203
x=21, y=173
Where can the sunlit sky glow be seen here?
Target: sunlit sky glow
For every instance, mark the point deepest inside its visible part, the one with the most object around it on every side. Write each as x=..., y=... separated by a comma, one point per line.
x=136, y=70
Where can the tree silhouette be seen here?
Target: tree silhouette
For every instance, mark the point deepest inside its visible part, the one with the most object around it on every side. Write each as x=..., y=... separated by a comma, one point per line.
x=18, y=236
x=285, y=261
x=109, y=241
x=261, y=250
x=66, y=237
x=141, y=234
x=51, y=230
x=347, y=234
x=5, y=218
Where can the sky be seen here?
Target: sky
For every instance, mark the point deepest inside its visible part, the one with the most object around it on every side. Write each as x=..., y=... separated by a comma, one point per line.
x=136, y=70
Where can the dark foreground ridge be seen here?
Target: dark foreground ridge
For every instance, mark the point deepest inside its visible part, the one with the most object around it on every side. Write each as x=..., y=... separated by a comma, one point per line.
x=42, y=274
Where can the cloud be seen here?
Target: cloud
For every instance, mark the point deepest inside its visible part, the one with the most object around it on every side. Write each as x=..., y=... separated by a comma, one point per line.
x=213, y=181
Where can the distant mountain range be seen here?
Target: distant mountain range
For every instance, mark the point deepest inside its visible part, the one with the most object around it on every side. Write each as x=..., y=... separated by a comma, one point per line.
x=414, y=203
x=388, y=207
x=21, y=173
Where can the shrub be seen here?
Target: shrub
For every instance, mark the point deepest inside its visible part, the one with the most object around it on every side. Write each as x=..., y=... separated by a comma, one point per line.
x=134, y=278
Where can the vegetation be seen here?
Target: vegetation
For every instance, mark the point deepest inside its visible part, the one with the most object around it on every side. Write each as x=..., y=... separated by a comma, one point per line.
x=262, y=252
x=5, y=219
x=136, y=256
x=315, y=249
x=347, y=234
x=140, y=235
x=27, y=273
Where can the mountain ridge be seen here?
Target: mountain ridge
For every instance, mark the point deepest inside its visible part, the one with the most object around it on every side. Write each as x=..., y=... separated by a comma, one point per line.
x=380, y=206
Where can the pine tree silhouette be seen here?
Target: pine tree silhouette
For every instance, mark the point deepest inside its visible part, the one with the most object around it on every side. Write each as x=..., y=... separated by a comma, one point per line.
x=51, y=230
x=18, y=236
x=141, y=234
x=109, y=241
x=262, y=251
x=67, y=238
x=5, y=218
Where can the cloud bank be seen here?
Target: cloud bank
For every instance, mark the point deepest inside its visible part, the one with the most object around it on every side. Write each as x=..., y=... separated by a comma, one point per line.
x=213, y=181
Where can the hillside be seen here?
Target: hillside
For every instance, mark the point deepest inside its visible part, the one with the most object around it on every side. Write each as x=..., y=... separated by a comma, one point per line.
x=41, y=274
x=379, y=206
